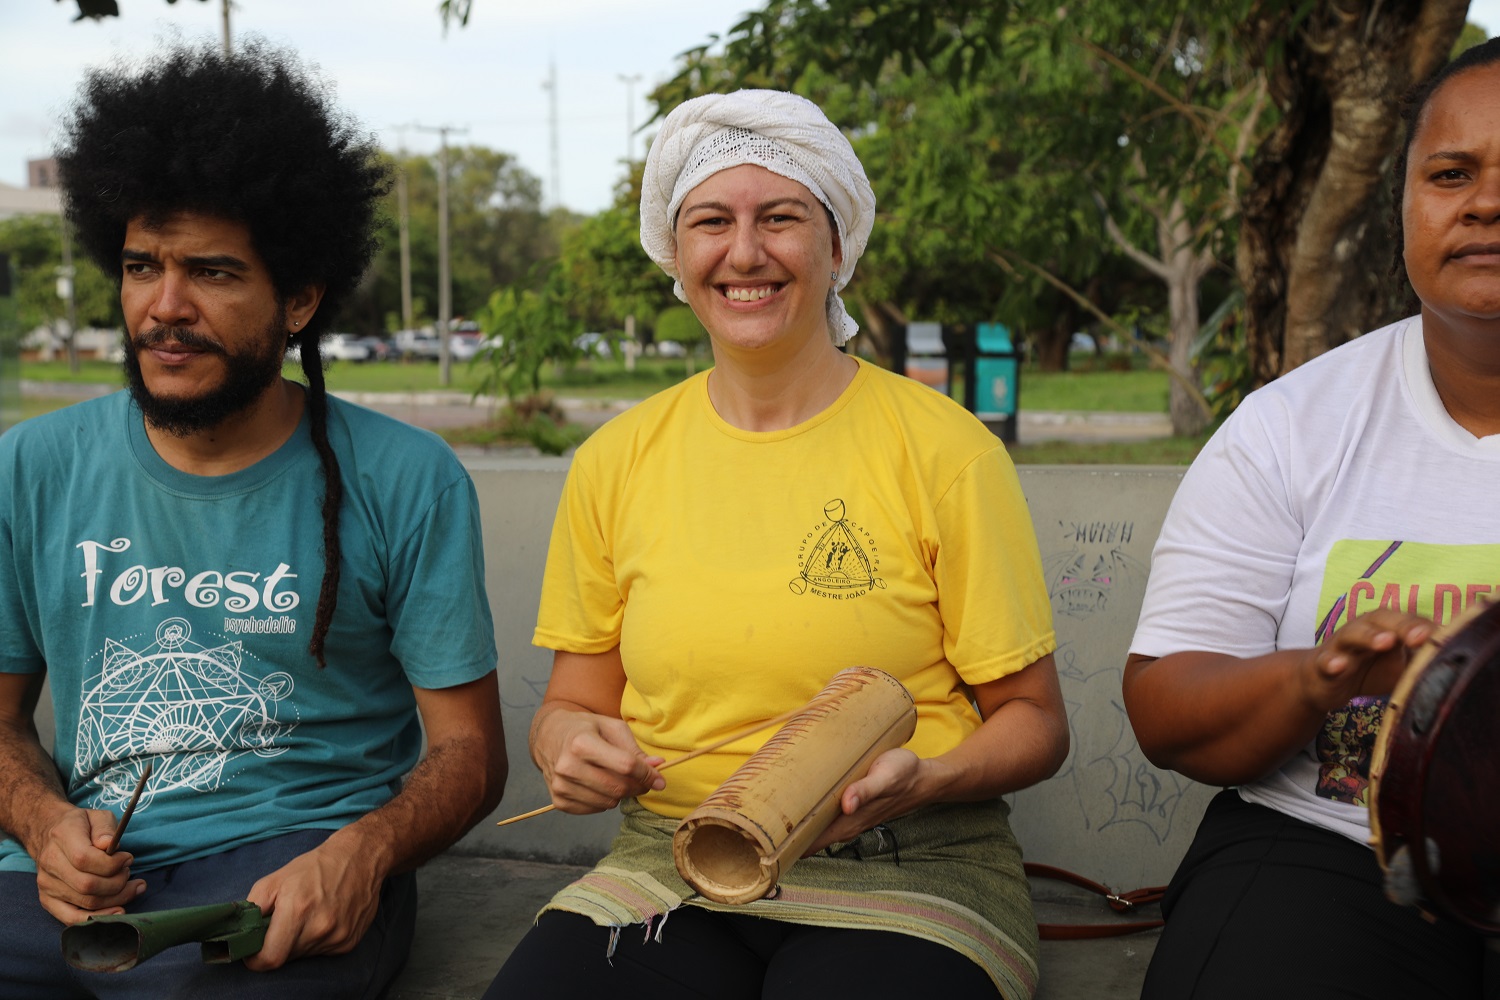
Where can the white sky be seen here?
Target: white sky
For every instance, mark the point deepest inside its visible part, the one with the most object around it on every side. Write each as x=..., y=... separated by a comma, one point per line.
x=393, y=67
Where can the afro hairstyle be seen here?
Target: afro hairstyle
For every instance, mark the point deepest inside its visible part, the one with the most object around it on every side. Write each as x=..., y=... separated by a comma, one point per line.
x=252, y=137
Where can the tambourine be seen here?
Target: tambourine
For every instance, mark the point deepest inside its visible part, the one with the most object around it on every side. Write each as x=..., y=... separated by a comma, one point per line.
x=1434, y=778
x=741, y=841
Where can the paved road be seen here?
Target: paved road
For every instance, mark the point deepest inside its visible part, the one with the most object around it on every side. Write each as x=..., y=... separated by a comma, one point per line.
x=439, y=410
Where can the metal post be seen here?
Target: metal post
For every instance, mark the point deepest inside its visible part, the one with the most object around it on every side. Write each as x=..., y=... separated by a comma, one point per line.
x=445, y=288
x=405, y=224
x=226, y=6
x=68, y=274
x=550, y=85
x=629, y=81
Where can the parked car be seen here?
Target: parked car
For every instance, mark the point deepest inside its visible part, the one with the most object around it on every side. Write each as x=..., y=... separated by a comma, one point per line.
x=419, y=345
x=594, y=345
x=345, y=347
x=380, y=349
x=670, y=349
x=465, y=345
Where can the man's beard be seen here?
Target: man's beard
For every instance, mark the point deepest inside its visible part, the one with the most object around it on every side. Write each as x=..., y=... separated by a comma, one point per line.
x=247, y=375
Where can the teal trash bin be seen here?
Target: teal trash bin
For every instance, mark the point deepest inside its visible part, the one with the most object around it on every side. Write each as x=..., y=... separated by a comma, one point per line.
x=997, y=377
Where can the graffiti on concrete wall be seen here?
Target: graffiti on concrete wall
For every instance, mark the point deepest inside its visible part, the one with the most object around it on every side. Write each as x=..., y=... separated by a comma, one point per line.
x=1096, y=574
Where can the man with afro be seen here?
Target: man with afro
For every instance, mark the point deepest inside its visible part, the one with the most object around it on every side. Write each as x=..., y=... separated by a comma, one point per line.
x=249, y=600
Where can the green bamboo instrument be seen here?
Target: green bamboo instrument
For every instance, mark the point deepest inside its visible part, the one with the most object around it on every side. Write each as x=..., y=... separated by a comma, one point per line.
x=228, y=932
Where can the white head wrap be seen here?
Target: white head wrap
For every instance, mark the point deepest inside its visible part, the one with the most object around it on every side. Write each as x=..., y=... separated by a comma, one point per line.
x=786, y=134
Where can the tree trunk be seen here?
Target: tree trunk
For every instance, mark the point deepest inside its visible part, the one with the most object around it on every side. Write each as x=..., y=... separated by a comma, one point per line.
x=882, y=324
x=1314, y=247
x=1051, y=343
x=1184, y=268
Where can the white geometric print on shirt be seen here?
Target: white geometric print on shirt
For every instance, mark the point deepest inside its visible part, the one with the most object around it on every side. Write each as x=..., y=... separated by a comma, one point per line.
x=185, y=706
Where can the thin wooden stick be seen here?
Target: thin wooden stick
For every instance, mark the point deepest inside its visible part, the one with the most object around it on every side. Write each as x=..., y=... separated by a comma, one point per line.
x=135, y=797
x=715, y=745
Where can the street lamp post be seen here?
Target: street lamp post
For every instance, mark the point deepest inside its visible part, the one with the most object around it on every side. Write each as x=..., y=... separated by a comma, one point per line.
x=629, y=81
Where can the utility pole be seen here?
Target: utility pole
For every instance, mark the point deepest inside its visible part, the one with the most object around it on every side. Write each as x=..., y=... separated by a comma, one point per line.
x=445, y=286
x=629, y=82
x=226, y=6
x=550, y=85
x=67, y=288
x=629, y=346
x=404, y=227
x=405, y=224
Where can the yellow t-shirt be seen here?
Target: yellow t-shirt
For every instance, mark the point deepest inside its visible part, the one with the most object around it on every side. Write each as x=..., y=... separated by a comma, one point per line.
x=739, y=571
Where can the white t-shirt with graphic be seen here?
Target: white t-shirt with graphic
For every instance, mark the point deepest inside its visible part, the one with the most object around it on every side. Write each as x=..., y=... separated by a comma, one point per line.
x=1341, y=487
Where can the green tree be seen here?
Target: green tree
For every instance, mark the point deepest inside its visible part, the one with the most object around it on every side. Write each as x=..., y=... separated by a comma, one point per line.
x=498, y=236
x=679, y=325
x=1312, y=209
x=1002, y=185
x=34, y=243
x=525, y=330
x=606, y=274
x=1314, y=248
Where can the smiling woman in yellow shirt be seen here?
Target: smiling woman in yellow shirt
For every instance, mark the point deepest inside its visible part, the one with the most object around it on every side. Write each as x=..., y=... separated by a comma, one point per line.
x=726, y=547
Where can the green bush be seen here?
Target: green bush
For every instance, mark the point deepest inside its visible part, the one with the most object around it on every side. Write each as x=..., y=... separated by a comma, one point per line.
x=678, y=323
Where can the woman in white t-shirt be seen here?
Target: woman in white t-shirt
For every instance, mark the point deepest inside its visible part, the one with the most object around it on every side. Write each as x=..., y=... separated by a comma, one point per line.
x=1335, y=520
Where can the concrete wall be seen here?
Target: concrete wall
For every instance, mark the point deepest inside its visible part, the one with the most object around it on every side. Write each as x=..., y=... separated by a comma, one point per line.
x=1108, y=814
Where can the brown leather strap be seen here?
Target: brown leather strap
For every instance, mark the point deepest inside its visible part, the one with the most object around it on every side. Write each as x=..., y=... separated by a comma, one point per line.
x=1120, y=902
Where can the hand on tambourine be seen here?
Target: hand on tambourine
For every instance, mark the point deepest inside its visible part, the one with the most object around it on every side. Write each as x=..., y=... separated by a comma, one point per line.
x=1365, y=657
x=591, y=762
x=892, y=787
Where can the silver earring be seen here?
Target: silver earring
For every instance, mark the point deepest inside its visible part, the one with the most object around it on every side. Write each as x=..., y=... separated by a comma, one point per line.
x=833, y=276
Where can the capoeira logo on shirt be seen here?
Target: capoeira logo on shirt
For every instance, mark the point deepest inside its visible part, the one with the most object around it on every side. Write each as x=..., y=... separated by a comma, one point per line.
x=837, y=558
x=188, y=707
x=1434, y=580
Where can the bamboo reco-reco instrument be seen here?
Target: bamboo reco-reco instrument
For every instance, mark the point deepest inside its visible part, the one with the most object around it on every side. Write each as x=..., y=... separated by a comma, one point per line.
x=738, y=734
x=748, y=833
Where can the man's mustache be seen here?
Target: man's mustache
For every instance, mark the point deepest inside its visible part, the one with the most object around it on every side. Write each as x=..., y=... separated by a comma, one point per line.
x=159, y=335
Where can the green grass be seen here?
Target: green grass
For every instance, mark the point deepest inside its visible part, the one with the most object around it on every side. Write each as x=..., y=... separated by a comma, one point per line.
x=1142, y=391
x=1106, y=391
x=588, y=379
x=90, y=372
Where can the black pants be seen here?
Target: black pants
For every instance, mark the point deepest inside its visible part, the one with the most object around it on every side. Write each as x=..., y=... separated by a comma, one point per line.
x=731, y=956
x=1267, y=906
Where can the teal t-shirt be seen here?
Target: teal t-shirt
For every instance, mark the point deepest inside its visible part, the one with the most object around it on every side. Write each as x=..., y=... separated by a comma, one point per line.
x=172, y=615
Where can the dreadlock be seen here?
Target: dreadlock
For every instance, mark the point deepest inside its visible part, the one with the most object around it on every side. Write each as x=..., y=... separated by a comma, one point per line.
x=1413, y=105
x=254, y=138
x=333, y=492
